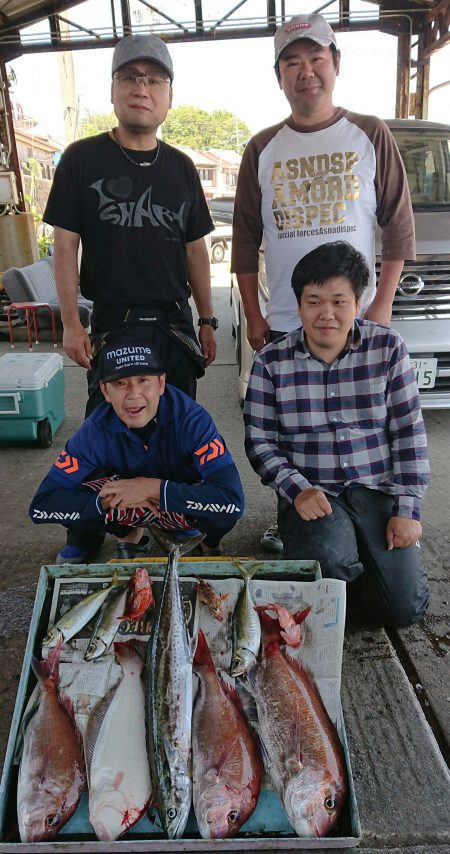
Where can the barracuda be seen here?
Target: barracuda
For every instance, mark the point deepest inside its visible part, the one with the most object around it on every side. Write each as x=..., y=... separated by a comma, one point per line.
x=168, y=695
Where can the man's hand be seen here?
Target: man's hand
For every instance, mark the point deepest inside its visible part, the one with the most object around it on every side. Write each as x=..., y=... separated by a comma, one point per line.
x=136, y=492
x=258, y=332
x=207, y=343
x=77, y=345
x=312, y=504
x=402, y=532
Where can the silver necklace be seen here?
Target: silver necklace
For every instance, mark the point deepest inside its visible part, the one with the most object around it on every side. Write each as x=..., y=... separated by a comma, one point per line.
x=145, y=163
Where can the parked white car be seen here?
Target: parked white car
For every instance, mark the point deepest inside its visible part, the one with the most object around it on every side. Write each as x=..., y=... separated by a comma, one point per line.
x=421, y=309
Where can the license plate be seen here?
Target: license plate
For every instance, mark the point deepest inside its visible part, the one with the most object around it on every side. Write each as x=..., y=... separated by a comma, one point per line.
x=425, y=371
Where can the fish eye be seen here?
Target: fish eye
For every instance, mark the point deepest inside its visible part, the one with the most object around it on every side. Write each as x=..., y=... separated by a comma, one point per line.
x=233, y=816
x=171, y=813
x=329, y=803
x=51, y=820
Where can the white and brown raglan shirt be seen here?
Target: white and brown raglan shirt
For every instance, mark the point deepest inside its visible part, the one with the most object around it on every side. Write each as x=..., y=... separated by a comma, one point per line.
x=301, y=186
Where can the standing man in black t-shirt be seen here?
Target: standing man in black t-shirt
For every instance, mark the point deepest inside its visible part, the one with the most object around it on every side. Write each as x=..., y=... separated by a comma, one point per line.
x=138, y=207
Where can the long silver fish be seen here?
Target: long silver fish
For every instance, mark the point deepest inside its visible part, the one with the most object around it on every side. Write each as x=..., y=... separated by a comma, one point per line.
x=246, y=627
x=106, y=624
x=168, y=695
x=73, y=621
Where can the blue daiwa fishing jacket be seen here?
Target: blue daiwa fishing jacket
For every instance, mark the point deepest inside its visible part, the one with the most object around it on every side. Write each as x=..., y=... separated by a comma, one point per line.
x=185, y=450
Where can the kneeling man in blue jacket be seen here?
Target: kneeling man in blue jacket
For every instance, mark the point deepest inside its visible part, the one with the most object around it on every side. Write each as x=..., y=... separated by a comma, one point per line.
x=148, y=455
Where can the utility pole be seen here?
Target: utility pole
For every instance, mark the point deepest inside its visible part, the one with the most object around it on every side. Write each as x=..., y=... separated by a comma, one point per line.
x=70, y=102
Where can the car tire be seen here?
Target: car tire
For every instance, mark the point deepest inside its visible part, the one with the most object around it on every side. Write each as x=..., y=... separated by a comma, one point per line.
x=218, y=253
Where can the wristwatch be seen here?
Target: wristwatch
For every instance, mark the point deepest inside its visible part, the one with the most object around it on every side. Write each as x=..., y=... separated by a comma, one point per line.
x=208, y=321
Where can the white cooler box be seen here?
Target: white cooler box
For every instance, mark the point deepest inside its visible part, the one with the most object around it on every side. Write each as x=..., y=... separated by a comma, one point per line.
x=32, y=404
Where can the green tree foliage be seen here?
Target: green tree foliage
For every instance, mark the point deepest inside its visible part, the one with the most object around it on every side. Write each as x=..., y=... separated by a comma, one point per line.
x=97, y=123
x=196, y=128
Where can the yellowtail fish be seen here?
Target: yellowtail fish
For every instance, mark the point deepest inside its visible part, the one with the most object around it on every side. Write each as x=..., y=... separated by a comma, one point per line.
x=73, y=621
x=246, y=627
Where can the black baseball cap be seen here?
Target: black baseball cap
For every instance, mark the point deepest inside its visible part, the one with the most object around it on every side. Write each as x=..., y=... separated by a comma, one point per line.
x=128, y=356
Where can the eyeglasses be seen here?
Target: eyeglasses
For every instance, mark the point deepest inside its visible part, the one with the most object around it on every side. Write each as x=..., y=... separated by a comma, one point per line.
x=152, y=81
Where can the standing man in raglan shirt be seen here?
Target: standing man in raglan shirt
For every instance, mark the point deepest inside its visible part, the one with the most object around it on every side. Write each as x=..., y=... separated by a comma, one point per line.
x=321, y=175
x=138, y=208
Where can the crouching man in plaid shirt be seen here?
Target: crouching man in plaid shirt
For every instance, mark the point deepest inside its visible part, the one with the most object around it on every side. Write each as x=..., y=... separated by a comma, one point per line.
x=333, y=424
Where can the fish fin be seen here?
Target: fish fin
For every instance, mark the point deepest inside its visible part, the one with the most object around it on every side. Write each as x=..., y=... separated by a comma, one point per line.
x=169, y=542
x=294, y=751
x=48, y=668
x=29, y=712
x=232, y=694
x=202, y=656
x=224, y=596
x=300, y=670
x=94, y=725
x=248, y=680
x=300, y=616
x=190, y=543
x=170, y=751
x=224, y=755
x=265, y=755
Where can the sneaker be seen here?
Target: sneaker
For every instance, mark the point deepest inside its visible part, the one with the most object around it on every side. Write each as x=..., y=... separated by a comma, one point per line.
x=271, y=541
x=71, y=554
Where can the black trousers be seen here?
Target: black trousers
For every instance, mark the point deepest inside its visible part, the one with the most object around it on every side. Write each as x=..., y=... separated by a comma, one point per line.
x=351, y=543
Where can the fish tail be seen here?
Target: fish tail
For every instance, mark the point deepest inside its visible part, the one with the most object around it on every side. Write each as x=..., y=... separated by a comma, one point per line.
x=247, y=574
x=48, y=668
x=202, y=657
x=300, y=616
x=115, y=579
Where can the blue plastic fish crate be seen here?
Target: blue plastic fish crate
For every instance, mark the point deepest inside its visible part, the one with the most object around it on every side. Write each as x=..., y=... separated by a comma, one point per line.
x=268, y=828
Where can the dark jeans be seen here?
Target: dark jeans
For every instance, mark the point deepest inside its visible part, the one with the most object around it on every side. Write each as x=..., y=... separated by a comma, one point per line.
x=351, y=543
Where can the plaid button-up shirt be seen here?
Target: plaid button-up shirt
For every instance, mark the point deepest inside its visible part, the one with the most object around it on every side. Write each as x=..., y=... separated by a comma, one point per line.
x=354, y=421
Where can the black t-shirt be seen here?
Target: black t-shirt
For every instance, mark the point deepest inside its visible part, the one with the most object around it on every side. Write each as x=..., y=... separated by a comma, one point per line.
x=134, y=221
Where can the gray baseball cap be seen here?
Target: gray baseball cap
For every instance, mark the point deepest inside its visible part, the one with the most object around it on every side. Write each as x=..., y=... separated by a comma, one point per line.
x=313, y=27
x=148, y=47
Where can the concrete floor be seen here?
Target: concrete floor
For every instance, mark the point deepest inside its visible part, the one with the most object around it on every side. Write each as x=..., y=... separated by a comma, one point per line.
x=395, y=688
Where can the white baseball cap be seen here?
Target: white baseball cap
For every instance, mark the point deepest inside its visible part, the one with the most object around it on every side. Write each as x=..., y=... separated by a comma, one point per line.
x=313, y=27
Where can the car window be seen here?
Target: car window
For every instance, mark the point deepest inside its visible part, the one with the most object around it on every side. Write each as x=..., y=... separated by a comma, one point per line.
x=426, y=155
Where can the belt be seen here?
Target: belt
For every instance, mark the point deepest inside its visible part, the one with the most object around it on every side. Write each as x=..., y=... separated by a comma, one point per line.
x=107, y=316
